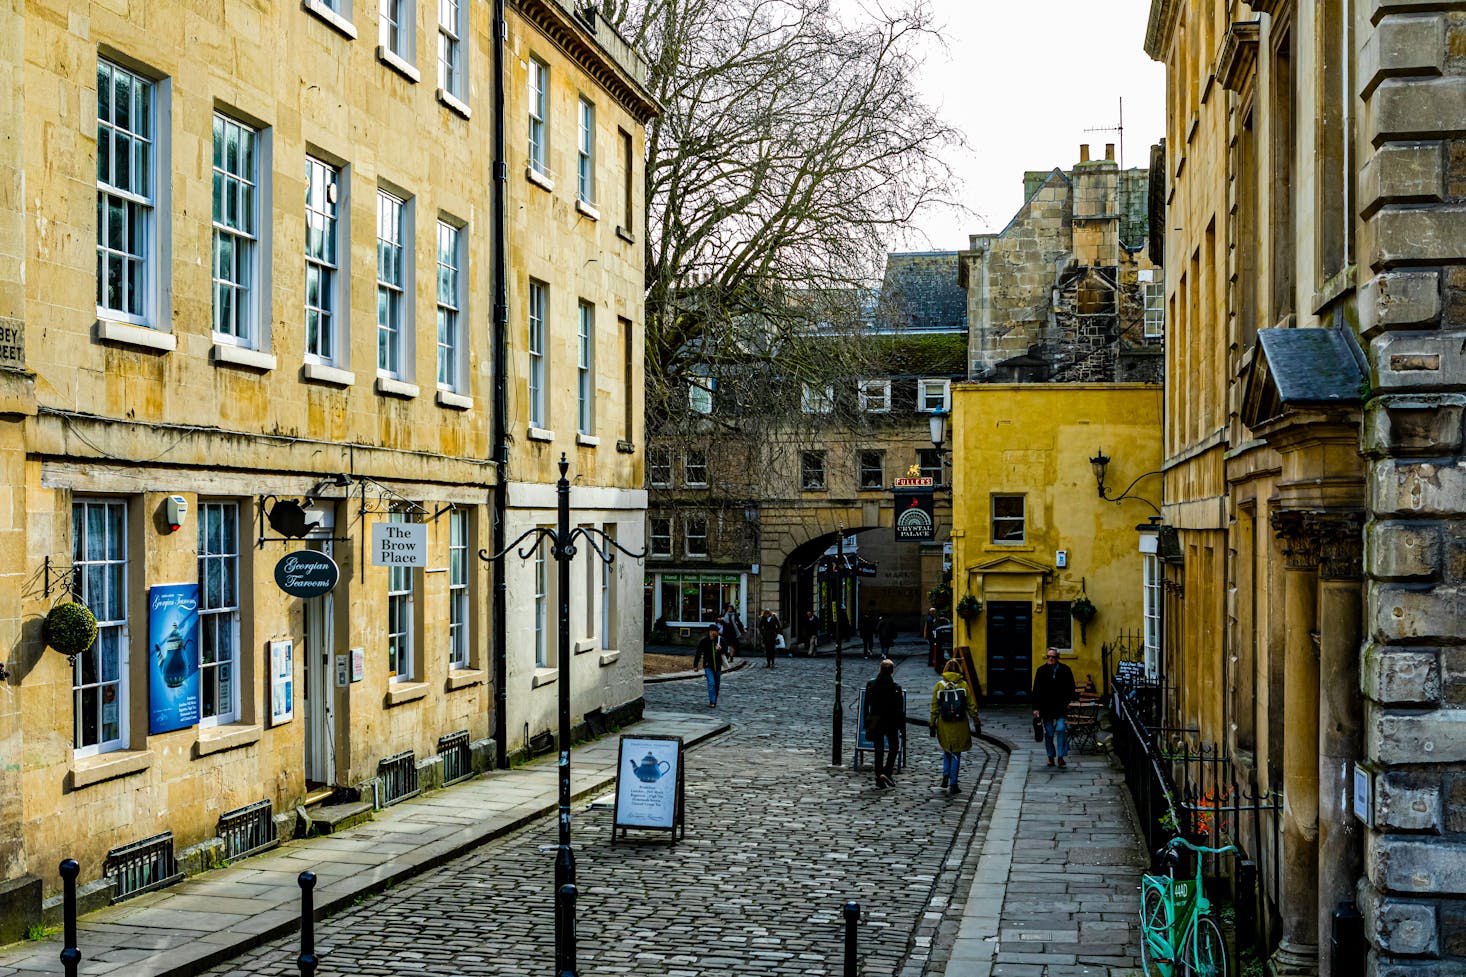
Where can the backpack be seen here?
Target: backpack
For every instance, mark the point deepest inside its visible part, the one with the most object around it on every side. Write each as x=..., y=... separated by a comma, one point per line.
x=952, y=702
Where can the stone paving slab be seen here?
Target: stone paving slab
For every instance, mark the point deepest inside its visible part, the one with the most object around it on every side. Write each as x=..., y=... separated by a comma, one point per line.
x=216, y=915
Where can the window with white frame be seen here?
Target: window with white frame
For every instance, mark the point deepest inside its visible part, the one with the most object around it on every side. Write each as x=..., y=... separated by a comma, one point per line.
x=812, y=470
x=659, y=466
x=400, y=595
x=1154, y=294
x=661, y=536
x=695, y=468
x=933, y=395
x=452, y=28
x=322, y=269
x=700, y=394
x=541, y=608
x=1151, y=609
x=585, y=172
x=539, y=87
x=128, y=226
x=538, y=305
x=99, y=683
x=218, y=612
x=457, y=589
x=236, y=233
x=591, y=591
x=585, y=377
x=451, y=348
x=695, y=535
x=875, y=396
x=1009, y=519
x=609, y=617
x=397, y=21
x=817, y=400
x=392, y=306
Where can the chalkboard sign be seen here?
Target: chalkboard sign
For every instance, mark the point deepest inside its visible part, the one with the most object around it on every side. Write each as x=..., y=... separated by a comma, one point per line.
x=863, y=742
x=649, y=786
x=1129, y=672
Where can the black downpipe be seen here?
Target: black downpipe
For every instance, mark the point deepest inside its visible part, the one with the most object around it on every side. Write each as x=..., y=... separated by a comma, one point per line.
x=500, y=649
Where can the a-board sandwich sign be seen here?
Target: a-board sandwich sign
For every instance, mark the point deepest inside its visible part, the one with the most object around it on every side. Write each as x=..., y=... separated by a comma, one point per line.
x=649, y=785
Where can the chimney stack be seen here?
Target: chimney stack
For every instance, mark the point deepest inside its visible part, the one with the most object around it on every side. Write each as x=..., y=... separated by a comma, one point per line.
x=1110, y=151
x=1084, y=152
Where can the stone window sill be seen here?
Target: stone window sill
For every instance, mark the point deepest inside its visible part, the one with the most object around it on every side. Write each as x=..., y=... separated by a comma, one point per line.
x=453, y=103
x=610, y=657
x=587, y=440
x=346, y=27
x=587, y=209
x=456, y=401
x=626, y=447
x=539, y=179
x=463, y=678
x=544, y=676
x=400, y=693
x=87, y=771
x=625, y=235
x=330, y=375
x=398, y=64
x=252, y=359
x=541, y=434
x=585, y=644
x=140, y=336
x=229, y=736
x=392, y=387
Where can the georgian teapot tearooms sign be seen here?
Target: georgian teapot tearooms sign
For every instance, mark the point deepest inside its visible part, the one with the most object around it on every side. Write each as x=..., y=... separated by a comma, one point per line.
x=173, y=657
x=306, y=573
x=649, y=784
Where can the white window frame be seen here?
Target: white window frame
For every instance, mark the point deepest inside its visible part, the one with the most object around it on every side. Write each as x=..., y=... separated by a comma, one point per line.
x=585, y=374
x=398, y=29
x=659, y=463
x=537, y=375
x=1021, y=520
x=458, y=603
x=452, y=52
x=452, y=314
x=874, y=396
x=538, y=91
x=235, y=257
x=659, y=536
x=1154, y=296
x=924, y=391
x=817, y=400
x=585, y=155
x=132, y=212
x=401, y=617
x=326, y=206
x=609, y=618
x=1151, y=594
x=694, y=463
x=101, y=569
x=541, y=571
x=219, y=614
x=695, y=537
x=394, y=285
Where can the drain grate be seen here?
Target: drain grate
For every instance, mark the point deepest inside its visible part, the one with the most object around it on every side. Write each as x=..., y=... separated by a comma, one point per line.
x=248, y=830
x=142, y=866
x=398, y=775
x=457, y=764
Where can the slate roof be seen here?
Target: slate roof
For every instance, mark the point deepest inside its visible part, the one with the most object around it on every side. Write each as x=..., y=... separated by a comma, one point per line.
x=920, y=292
x=1313, y=366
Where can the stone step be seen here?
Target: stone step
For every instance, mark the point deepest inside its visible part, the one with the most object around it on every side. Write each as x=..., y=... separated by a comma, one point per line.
x=327, y=819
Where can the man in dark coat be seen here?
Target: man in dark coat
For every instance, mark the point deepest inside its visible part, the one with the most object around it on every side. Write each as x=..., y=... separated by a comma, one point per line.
x=1053, y=690
x=886, y=632
x=929, y=632
x=867, y=632
x=885, y=716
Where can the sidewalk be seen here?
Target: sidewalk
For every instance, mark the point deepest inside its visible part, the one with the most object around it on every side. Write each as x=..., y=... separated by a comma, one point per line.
x=1055, y=888
x=210, y=917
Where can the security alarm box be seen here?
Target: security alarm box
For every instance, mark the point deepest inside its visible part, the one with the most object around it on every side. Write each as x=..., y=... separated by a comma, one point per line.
x=1061, y=559
x=175, y=508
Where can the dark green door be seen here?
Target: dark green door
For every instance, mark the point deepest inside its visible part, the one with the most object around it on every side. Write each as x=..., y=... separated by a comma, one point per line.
x=1010, y=650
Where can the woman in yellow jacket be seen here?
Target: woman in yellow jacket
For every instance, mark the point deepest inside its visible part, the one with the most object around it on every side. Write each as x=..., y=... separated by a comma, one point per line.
x=952, y=705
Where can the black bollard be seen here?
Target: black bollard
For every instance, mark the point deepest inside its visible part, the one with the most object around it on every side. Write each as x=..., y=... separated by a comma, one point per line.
x=70, y=955
x=852, y=916
x=307, y=961
x=566, y=935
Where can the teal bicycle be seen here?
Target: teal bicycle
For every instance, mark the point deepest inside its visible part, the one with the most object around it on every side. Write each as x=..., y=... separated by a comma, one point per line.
x=1176, y=925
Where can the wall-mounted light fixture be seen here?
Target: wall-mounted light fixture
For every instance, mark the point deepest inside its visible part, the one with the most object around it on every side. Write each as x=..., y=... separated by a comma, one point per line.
x=1099, y=464
x=938, y=422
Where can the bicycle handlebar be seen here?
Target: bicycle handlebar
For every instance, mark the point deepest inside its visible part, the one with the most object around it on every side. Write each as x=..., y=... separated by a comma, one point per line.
x=1178, y=840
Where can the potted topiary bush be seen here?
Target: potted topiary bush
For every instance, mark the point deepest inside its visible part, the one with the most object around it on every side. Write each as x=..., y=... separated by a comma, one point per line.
x=70, y=628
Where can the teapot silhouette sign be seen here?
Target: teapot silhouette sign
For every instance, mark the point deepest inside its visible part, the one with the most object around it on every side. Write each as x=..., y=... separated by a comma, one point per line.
x=651, y=769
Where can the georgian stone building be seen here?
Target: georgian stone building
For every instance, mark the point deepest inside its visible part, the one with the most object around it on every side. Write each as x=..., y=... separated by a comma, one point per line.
x=1313, y=451
x=283, y=216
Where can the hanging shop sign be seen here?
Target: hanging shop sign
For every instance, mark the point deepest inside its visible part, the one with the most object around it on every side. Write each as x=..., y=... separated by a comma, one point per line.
x=649, y=785
x=399, y=544
x=173, y=656
x=306, y=573
x=915, y=516
x=915, y=482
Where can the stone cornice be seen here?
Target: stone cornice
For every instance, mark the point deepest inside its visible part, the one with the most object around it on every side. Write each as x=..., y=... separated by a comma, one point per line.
x=1160, y=27
x=577, y=43
x=1270, y=7
x=1237, y=60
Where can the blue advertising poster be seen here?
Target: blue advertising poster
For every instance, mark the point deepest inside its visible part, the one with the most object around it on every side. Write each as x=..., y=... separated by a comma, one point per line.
x=173, y=657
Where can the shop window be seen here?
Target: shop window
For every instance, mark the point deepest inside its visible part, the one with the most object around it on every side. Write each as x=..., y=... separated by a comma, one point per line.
x=458, y=589
x=400, y=596
x=218, y=556
x=99, y=681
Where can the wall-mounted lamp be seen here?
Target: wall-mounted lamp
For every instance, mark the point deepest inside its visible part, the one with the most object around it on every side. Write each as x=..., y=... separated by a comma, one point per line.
x=1099, y=464
x=938, y=422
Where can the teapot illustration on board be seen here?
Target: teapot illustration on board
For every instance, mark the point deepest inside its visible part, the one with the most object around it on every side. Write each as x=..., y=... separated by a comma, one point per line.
x=651, y=769
x=170, y=657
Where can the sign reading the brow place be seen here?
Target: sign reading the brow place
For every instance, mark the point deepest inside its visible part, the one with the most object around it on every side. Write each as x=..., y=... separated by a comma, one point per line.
x=400, y=544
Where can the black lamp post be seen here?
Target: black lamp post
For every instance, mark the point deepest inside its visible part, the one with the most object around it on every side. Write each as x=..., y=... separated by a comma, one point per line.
x=562, y=549
x=837, y=743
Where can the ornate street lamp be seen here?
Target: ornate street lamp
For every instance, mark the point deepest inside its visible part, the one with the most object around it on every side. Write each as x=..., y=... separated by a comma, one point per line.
x=1099, y=464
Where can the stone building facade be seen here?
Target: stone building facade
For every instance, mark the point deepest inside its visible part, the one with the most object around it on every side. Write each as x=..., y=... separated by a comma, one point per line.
x=1313, y=450
x=284, y=216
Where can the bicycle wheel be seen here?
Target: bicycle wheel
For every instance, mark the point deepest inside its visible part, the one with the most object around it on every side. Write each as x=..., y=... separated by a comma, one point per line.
x=1155, y=934
x=1203, y=953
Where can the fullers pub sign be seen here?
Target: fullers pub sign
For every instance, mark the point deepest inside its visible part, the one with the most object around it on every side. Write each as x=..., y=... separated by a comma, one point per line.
x=915, y=512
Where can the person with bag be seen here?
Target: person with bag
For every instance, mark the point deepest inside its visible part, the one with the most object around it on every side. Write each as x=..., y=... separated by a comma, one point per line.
x=952, y=706
x=885, y=717
x=770, y=635
x=709, y=655
x=1053, y=690
x=732, y=630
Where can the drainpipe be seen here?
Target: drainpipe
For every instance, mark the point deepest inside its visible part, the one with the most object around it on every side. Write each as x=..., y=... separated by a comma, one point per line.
x=500, y=366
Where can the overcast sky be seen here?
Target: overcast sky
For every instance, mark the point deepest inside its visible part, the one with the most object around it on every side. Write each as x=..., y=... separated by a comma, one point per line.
x=1024, y=81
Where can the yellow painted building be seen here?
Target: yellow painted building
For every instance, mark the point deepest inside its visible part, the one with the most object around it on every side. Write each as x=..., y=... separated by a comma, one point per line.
x=1031, y=534
x=282, y=218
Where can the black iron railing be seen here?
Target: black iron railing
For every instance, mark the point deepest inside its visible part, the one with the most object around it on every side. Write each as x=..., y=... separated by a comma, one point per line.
x=248, y=830
x=142, y=866
x=457, y=762
x=398, y=776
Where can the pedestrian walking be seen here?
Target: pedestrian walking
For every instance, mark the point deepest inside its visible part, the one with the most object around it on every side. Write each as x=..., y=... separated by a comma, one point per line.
x=885, y=718
x=1053, y=690
x=709, y=655
x=809, y=629
x=867, y=633
x=770, y=635
x=886, y=634
x=732, y=625
x=929, y=632
x=952, y=706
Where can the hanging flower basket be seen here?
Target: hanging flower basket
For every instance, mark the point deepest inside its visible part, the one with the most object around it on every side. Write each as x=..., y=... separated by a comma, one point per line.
x=70, y=628
x=1084, y=611
x=969, y=607
x=941, y=595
